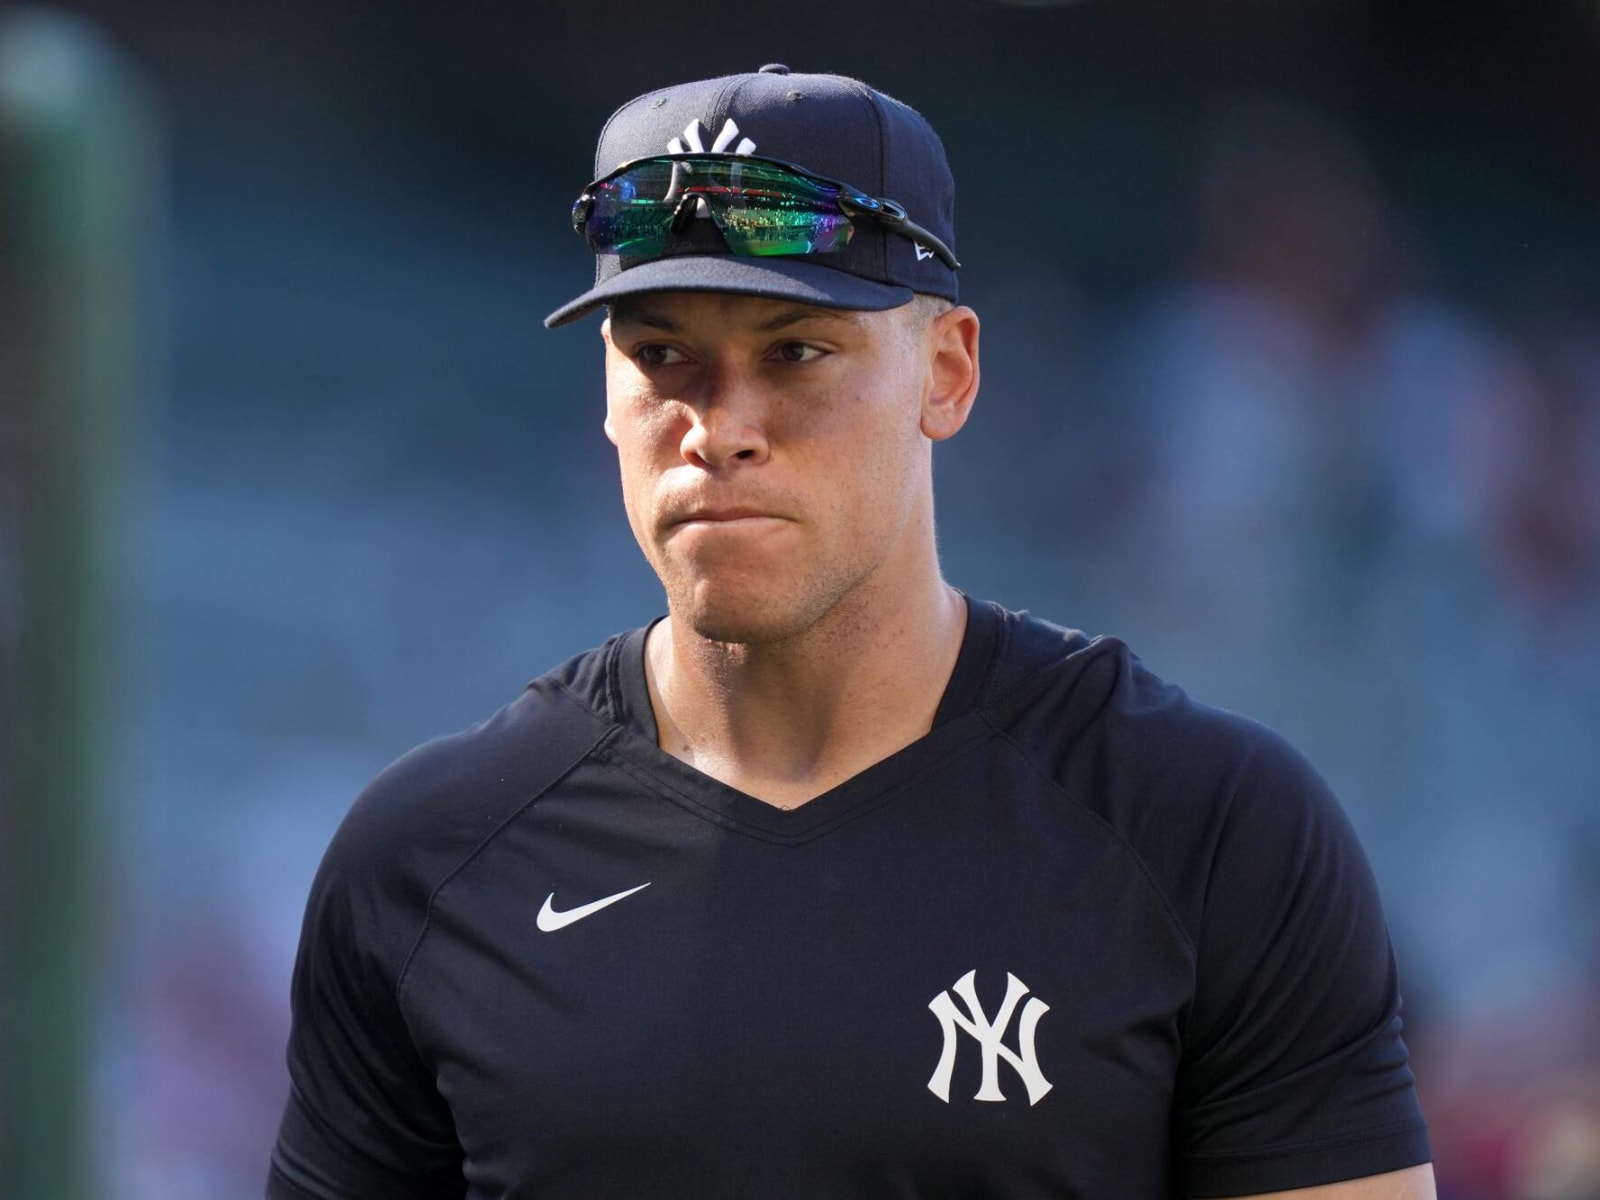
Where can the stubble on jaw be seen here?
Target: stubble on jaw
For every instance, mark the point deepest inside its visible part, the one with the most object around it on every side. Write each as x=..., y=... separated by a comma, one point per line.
x=841, y=602
x=832, y=600
x=763, y=619
x=817, y=626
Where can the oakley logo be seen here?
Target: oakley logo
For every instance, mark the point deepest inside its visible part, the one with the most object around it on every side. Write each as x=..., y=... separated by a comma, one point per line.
x=988, y=1035
x=922, y=251
x=693, y=140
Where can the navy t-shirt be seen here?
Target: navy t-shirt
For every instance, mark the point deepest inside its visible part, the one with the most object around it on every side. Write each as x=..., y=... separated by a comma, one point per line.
x=1087, y=938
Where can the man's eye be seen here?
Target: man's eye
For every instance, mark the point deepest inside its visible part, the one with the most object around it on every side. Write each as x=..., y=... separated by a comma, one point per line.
x=798, y=352
x=653, y=354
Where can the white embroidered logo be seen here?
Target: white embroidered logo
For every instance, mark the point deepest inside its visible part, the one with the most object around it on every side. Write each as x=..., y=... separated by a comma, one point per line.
x=988, y=1034
x=922, y=251
x=693, y=140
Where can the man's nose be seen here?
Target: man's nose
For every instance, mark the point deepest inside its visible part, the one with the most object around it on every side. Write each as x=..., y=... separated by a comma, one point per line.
x=727, y=423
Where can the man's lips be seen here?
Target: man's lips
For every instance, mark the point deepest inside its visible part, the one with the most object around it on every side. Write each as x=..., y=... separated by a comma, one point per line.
x=716, y=515
x=720, y=514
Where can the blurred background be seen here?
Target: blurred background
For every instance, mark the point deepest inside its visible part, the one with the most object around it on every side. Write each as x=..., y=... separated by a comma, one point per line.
x=1292, y=380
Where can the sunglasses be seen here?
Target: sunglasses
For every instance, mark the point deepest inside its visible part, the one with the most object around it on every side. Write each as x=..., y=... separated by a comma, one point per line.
x=761, y=206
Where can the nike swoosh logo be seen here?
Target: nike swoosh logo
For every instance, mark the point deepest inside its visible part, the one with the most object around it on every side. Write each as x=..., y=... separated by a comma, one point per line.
x=550, y=920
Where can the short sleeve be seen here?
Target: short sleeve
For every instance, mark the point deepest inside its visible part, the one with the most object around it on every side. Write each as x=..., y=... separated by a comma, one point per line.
x=1294, y=1072
x=364, y=1118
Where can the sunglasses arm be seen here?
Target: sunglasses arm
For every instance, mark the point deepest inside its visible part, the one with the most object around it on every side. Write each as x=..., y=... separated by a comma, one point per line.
x=890, y=214
x=917, y=233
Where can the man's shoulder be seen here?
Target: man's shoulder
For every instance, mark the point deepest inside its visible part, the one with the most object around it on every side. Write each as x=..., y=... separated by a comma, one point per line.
x=1058, y=690
x=1178, y=781
x=444, y=797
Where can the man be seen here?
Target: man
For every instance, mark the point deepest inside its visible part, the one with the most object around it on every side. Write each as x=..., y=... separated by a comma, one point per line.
x=833, y=882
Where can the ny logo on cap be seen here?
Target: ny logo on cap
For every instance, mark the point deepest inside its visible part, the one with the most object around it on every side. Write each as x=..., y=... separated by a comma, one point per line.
x=693, y=140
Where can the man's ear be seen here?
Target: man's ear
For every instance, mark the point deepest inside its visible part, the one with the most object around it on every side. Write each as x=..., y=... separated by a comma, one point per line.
x=952, y=346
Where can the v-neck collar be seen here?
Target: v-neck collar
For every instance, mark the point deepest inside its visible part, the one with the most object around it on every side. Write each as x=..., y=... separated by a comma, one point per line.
x=957, y=724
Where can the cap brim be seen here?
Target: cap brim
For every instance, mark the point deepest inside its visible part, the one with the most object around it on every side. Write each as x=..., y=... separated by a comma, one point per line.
x=780, y=278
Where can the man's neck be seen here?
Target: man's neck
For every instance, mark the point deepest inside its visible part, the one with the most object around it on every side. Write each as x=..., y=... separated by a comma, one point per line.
x=788, y=721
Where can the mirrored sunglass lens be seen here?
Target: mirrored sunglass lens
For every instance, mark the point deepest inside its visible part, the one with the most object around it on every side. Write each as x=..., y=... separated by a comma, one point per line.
x=782, y=229
x=633, y=213
x=767, y=210
x=759, y=208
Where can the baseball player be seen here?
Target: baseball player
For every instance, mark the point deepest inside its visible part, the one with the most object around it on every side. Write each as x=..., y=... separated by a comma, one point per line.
x=833, y=881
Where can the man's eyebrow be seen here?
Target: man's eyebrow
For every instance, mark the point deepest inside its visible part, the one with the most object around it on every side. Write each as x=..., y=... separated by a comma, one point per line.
x=640, y=316
x=794, y=316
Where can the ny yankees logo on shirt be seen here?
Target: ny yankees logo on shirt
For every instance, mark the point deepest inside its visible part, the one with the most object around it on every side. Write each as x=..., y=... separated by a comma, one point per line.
x=989, y=1035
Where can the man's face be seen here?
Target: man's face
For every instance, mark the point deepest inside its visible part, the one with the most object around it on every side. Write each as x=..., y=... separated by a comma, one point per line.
x=773, y=454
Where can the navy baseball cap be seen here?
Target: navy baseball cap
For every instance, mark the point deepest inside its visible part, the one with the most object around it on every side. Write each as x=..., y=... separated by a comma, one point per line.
x=834, y=127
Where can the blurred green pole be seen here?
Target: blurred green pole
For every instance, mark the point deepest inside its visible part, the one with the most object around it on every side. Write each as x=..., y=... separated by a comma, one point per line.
x=78, y=186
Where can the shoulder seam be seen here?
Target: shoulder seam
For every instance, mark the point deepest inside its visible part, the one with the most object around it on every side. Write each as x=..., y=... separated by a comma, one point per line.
x=609, y=718
x=1054, y=665
x=427, y=919
x=1002, y=644
x=1144, y=870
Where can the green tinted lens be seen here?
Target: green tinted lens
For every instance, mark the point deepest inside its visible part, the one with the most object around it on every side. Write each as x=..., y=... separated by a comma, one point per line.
x=760, y=208
x=632, y=213
x=764, y=209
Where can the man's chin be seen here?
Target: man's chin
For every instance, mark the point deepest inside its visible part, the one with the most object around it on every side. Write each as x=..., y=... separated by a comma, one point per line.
x=756, y=615
x=738, y=628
